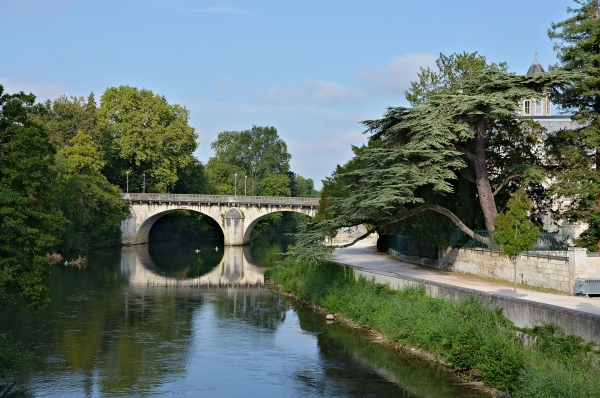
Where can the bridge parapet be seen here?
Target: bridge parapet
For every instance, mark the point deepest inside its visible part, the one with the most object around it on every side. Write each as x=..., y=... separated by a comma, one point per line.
x=220, y=199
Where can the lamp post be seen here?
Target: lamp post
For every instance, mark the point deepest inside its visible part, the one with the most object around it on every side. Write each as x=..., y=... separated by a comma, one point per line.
x=245, y=181
x=144, y=187
x=127, y=172
x=235, y=185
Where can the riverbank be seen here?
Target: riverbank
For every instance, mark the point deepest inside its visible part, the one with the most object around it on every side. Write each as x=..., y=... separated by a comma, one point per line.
x=473, y=339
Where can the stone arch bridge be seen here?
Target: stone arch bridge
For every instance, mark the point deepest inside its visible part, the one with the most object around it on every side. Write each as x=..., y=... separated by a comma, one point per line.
x=236, y=215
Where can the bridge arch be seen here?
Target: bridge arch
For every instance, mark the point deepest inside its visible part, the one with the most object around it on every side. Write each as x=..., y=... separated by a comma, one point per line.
x=250, y=226
x=145, y=227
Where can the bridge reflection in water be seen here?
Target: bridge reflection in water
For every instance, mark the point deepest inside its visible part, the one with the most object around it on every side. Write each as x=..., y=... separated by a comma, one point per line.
x=236, y=268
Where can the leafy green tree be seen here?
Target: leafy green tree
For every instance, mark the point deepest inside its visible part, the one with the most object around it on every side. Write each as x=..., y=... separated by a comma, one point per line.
x=515, y=233
x=302, y=187
x=92, y=205
x=275, y=185
x=29, y=220
x=574, y=154
x=258, y=152
x=221, y=177
x=66, y=116
x=462, y=117
x=145, y=135
x=192, y=179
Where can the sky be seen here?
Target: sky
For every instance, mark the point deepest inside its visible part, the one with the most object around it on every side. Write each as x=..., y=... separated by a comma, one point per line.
x=312, y=69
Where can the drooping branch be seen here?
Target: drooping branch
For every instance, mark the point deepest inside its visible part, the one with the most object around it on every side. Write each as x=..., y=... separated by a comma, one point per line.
x=438, y=209
x=503, y=183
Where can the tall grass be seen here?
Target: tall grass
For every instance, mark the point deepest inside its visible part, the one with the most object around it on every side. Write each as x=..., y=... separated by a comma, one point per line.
x=466, y=334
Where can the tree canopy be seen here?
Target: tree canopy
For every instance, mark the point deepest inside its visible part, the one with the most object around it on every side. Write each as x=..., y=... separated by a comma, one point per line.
x=256, y=153
x=29, y=219
x=573, y=155
x=463, y=123
x=145, y=135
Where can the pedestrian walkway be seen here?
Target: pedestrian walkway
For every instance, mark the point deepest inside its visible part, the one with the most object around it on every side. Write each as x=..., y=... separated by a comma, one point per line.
x=364, y=256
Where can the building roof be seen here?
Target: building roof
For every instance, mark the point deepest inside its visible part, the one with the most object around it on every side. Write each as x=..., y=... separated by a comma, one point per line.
x=535, y=68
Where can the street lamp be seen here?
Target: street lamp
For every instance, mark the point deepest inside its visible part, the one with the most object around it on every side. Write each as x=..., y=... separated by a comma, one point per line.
x=127, y=172
x=245, y=181
x=235, y=184
x=144, y=188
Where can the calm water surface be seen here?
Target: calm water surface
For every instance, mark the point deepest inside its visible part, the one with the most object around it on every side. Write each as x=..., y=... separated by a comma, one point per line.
x=188, y=320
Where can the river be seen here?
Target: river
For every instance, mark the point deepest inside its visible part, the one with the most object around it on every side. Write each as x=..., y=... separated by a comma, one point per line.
x=191, y=320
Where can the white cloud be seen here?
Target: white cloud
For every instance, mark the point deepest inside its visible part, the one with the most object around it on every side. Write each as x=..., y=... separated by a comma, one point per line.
x=318, y=91
x=395, y=77
x=41, y=91
x=224, y=10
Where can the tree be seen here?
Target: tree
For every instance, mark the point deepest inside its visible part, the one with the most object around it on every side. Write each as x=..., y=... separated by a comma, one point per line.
x=221, y=176
x=275, y=185
x=302, y=187
x=92, y=205
x=146, y=135
x=258, y=152
x=66, y=116
x=463, y=116
x=574, y=155
x=29, y=219
x=192, y=179
x=515, y=233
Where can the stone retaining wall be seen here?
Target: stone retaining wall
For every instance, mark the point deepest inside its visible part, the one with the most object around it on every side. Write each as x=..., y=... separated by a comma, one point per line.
x=522, y=313
x=552, y=272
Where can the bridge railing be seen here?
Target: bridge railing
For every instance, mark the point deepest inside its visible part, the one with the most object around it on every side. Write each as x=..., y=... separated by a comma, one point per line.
x=220, y=199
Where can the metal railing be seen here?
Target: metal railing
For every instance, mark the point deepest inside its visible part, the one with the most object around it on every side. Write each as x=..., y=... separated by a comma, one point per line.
x=548, y=245
x=412, y=246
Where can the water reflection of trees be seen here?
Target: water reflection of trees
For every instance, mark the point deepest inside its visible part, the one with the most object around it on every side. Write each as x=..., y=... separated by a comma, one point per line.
x=255, y=306
x=185, y=259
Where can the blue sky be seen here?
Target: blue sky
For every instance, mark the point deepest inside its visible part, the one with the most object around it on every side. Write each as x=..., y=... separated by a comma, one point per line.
x=312, y=69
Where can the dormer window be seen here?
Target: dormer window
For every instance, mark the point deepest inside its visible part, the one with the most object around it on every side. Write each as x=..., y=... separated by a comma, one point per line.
x=527, y=109
x=538, y=106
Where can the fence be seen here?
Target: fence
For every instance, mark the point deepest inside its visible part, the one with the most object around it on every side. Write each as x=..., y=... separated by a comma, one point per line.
x=548, y=245
x=412, y=246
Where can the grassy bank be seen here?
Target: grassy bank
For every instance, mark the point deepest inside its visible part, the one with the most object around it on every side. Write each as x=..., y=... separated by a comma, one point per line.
x=466, y=334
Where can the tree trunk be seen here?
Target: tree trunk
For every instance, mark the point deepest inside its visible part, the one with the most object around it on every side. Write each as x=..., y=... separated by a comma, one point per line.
x=482, y=180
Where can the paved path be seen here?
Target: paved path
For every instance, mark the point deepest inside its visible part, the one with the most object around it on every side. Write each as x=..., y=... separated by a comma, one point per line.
x=363, y=255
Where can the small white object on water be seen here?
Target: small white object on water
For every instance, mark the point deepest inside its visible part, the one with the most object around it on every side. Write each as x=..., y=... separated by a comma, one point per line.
x=217, y=248
x=197, y=250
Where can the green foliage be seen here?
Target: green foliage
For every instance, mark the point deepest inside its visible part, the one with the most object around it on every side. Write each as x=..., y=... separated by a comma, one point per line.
x=302, y=187
x=29, y=220
x=467, y=333
x=514, y=231
x=66, y=116
x=572, y=154
x=463, y=128
x=145, y=135
x=257, y=153
x=192, y=179
x=275, y=185
x=221, y=177
x=11, y=355
x=92, y=205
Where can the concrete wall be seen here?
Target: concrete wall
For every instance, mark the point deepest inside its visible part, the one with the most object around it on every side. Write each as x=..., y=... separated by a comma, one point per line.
x=521, y=312
x=553, y=272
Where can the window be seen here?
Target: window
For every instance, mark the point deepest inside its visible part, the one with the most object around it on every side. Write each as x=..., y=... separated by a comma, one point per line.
x=538, y=107
x=548, y=107
x=527, y=107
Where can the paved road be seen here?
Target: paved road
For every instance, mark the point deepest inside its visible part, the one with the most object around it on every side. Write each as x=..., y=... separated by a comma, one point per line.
x=364, y=256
